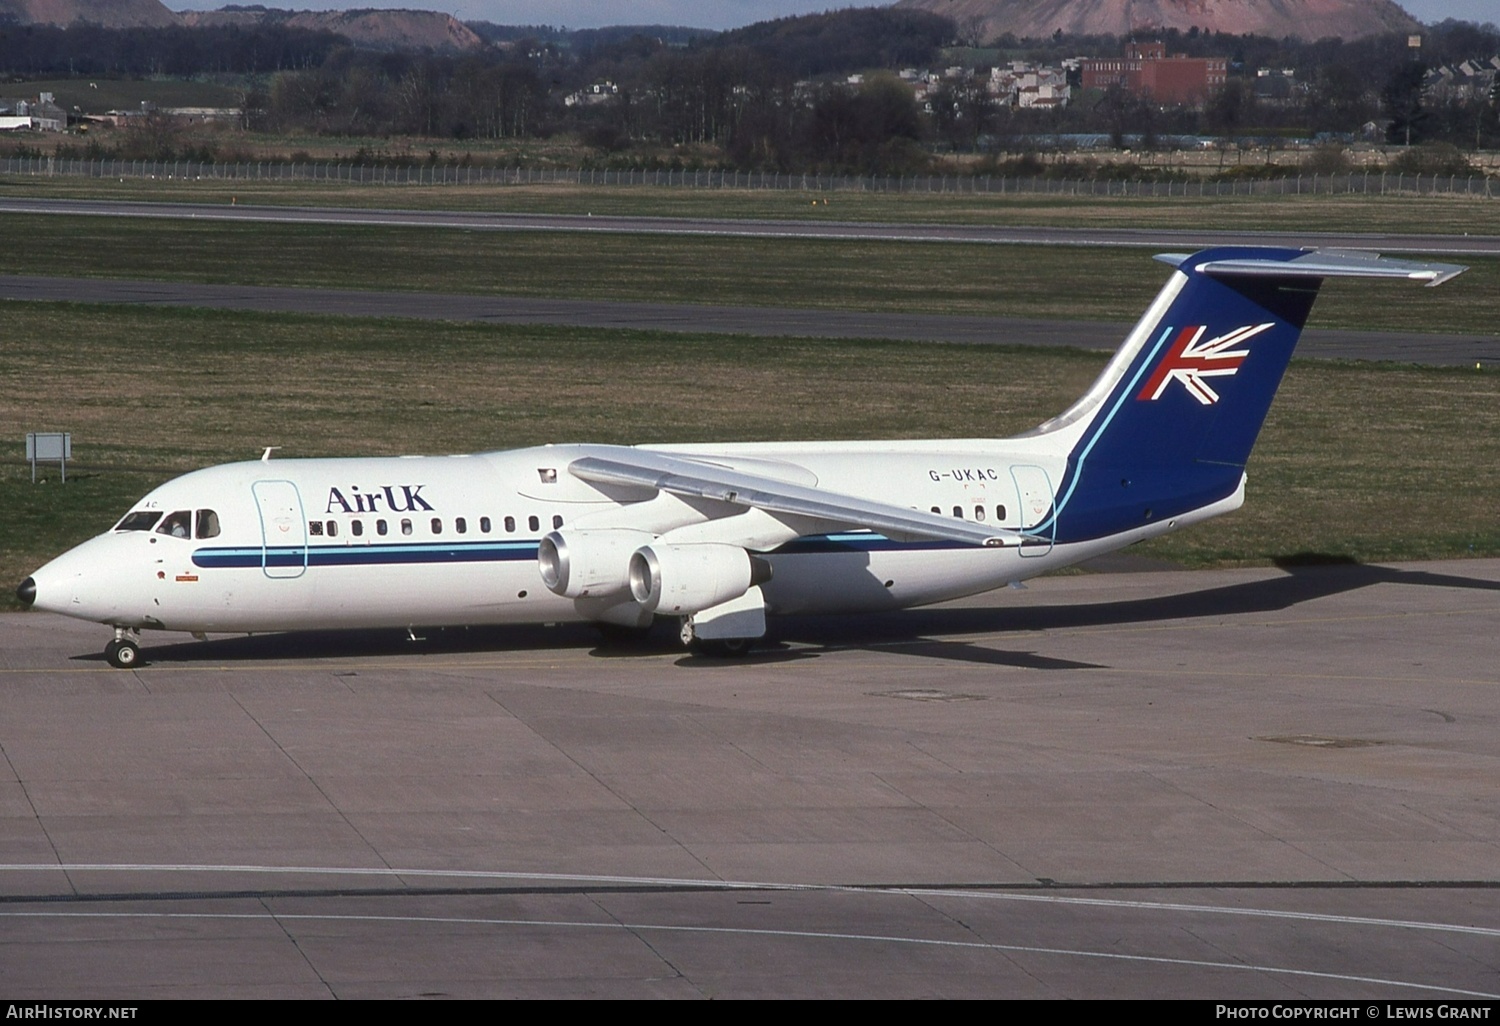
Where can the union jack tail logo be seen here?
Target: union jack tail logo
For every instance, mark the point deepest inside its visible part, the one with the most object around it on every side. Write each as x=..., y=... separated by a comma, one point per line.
x=1191, y=362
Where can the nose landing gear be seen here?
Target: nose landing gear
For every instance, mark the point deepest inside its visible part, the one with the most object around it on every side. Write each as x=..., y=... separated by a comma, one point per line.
x=123, y=653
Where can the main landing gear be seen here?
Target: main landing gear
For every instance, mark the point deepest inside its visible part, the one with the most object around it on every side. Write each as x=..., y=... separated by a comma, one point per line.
x=720, y=648
x=123, y=653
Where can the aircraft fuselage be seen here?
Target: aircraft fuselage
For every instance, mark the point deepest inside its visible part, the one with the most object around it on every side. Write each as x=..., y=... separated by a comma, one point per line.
x=453, y=540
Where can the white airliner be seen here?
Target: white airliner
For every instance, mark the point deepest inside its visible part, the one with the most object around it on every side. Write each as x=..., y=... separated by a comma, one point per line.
x=718, y=536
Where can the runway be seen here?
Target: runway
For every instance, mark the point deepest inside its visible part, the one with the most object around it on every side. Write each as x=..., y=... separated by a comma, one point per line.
x=1431, y=244
x=1423, y=348
x=1227, y=784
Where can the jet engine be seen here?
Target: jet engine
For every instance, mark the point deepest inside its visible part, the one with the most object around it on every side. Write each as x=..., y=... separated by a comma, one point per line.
x=680, y=580
x=578, y=564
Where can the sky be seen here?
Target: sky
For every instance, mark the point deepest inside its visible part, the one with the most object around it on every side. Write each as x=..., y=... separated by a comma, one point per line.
x=712, y=14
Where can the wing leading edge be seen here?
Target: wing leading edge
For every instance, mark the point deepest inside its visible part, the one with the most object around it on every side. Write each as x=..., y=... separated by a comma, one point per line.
x=694, y=479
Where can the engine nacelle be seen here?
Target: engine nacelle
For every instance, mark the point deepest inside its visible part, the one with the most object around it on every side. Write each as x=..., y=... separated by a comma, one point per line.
x=579, y=564
x=680, y=580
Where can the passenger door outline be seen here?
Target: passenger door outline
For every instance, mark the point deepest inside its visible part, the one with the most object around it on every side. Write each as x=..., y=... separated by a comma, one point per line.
x=1036, y=497
x=283, y=529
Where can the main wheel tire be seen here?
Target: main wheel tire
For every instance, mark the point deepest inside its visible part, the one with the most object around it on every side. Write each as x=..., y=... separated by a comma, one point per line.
x=122, y=655
x=724, y=648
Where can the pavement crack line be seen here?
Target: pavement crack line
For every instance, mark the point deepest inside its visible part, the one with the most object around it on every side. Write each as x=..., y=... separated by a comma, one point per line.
x=374, y=851
x=292, y=939
x=37, y=815
x=603, y=784
x=656, y=951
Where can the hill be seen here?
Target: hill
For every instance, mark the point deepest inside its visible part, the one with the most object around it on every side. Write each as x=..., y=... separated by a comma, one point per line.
x=1306, y=19
x=107, y=13
x=379, y=30
x=845, y=40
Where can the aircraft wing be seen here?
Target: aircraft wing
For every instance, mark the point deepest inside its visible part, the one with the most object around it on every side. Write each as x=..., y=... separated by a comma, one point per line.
x=692, y=478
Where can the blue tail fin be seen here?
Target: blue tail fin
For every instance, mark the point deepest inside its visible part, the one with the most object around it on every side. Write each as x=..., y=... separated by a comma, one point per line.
x=1170, y=425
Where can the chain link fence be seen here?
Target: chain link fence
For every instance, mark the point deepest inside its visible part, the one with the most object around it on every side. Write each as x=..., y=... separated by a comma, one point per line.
x=1379, y=183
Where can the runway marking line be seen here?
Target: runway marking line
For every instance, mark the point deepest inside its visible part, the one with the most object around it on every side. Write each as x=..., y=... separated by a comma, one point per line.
x=1024, y=949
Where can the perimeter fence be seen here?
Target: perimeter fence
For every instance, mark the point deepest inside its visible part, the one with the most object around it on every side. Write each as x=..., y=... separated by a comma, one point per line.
x=1377, y=183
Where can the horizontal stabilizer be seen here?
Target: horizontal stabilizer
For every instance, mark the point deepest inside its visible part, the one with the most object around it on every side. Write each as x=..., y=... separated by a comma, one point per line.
x=1324, y=263
x=692, y=478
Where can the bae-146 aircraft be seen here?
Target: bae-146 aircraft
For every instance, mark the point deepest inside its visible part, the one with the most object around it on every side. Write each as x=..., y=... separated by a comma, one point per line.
x=720, y=535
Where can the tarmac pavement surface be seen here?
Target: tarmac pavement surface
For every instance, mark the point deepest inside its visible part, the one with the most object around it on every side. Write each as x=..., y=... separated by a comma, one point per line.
x=1266, y=783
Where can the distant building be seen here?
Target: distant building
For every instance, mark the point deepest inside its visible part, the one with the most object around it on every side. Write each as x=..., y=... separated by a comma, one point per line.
x=182, y=116
x=1276, y=85
x=1030, y=88
x=591, y=96
x=1146, y=69
x=1466, y=80
x=42, y=114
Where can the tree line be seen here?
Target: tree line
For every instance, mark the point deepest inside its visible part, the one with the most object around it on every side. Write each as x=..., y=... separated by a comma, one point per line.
x=775, y=96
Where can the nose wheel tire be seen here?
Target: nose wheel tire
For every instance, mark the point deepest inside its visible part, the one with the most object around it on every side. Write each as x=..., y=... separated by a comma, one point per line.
x=122, y=655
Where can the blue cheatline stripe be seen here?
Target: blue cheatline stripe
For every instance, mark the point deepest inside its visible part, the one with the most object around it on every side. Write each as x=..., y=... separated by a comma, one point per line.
x=368, y=555
x=511, y=552
x=1125, y=393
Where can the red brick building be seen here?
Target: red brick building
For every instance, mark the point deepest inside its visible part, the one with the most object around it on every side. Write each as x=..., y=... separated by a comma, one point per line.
x=1146, y=68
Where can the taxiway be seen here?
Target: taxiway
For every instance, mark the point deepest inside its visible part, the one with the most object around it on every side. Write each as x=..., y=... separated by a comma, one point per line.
x=1427, y=348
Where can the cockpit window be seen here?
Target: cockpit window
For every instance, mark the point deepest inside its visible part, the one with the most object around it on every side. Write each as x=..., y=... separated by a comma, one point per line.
x=177, y=525
x=208, y=524
x=140, y=520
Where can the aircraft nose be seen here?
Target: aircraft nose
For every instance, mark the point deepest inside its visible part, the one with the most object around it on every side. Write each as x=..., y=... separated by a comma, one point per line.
x=27, y=591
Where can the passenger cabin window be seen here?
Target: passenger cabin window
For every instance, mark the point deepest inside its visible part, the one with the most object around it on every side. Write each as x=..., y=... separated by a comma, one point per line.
x=958, y=511
x=177, y=525
x=533, y=523
x=938, y=510
x=333, y=528
x=357, y=528
x=437, y=525
x=380, y=527
x=141, y=520
x=978, y=512
x=484, y=525
x=208, y=524
x=999, y=512
x=556, y=522
x=405, y=526
x=460, y=525
x=510, y=525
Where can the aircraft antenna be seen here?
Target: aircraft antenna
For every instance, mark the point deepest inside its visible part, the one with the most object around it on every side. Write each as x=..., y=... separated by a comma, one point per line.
x=265, y=457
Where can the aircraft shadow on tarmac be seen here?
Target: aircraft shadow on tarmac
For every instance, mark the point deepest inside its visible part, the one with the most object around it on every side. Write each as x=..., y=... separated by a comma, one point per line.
x=1308, y=577
x=928, y=633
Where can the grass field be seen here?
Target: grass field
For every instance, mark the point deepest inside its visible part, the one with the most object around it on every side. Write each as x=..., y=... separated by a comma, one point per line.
x=933, y=278
x=1454, y=215
x=1362, y=461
